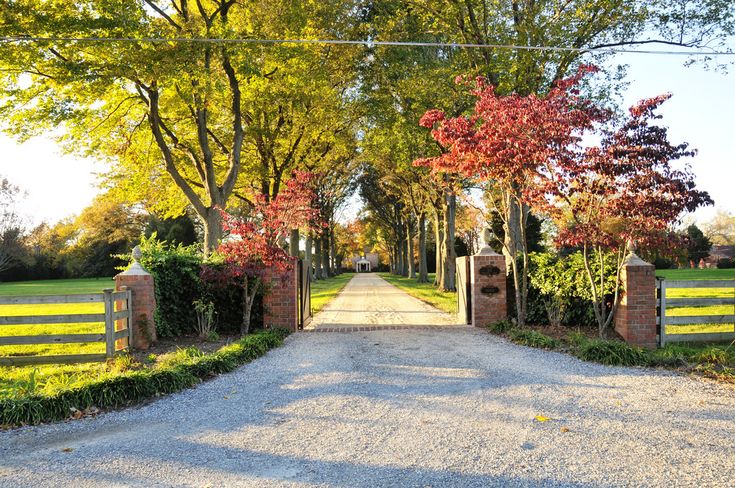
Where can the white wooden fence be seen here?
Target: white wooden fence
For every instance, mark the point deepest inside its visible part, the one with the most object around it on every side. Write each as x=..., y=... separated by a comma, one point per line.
x=111, y=337
x=665, y=303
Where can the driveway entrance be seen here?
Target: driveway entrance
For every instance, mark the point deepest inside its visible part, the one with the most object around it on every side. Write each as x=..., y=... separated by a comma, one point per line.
x=368, y=302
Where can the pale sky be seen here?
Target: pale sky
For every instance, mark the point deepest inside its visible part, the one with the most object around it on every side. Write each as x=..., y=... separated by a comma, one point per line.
x=701, y=113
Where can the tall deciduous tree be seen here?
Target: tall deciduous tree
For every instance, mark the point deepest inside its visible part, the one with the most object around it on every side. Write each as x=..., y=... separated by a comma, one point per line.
x=187, y=122
x=721, y=229
x=621, y=194
x=506, y=142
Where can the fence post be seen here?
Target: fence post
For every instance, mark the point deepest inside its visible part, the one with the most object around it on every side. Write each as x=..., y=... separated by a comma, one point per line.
x=662, y=313
x=109, y=323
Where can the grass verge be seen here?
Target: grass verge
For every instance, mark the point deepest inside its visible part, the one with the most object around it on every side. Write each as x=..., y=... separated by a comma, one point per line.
x=711, y=360
x=426, y=292
x=56, y=287
x=697, y=274
x=324, y=291
x=128, y=382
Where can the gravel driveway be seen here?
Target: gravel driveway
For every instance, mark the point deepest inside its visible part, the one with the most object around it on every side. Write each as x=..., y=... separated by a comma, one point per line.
x=368, y=301
x=443, y=407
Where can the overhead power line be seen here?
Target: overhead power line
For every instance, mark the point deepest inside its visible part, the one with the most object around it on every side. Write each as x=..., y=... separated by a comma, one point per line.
x=366, y=43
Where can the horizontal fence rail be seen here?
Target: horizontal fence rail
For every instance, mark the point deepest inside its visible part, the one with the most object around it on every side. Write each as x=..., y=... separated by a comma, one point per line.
x=665, y=303
x=116, y=337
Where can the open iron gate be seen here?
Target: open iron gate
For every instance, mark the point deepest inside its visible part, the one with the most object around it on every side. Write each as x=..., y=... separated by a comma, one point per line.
x=304, y=295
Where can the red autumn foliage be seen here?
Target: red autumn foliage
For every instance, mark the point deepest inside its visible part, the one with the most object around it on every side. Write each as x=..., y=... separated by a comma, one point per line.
x=253, y=245
x=530, y=149
x=254, y=239
x=511, y=139
x=624, y=189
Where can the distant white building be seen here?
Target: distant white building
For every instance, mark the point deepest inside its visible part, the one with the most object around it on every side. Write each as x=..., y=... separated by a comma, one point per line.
x=365, y=263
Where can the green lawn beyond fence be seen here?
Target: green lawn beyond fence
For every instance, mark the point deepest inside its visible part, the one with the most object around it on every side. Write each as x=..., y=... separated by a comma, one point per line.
x=699, y=274
x=53, y=287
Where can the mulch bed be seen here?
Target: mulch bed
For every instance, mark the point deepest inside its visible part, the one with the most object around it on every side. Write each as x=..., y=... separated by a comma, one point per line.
x=171, y=344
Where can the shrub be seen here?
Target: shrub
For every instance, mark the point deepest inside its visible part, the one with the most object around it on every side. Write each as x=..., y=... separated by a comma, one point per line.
x=726, y=263
x=206, y=318
x=501, y=326
x=713, y=355
x=175, y=270
x=559, y=285
x=528, y=337
x=177, y=273
x=661, y=262
x=611, y=353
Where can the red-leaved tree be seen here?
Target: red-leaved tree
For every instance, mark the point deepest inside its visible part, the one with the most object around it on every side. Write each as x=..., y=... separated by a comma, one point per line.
x=254, y=241
x=621, y=192
x=507, y=144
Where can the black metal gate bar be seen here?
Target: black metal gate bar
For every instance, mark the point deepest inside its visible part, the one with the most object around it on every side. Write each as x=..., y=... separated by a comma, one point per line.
x=304, y=295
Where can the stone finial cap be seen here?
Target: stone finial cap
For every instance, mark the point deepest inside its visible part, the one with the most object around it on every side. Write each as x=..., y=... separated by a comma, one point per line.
x=633, y=259
x=135, y=269
x=487, y=238
x=487, y=251
x=137, y=254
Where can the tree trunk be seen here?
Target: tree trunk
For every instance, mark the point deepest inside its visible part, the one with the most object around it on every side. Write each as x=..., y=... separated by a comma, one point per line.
x=325, y=256
x=212, y=230
x=293, y=243
x=333, y=254
x=318, y=258
x=423, y=265
x=308, y=256
x=450, y=255
x=515, y=243
x=411, y=262
x=248, y=297
x=439, y=245
x=512, y=229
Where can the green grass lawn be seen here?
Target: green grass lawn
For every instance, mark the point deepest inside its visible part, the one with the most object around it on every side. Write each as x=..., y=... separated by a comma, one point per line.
x=323, y=291
x=56, y=287
x=427, y=292
x=53, y=287
x=22, y=380
x=699, y=274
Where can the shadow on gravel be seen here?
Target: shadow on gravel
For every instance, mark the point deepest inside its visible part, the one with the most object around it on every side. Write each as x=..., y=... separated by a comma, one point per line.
x=271, y=467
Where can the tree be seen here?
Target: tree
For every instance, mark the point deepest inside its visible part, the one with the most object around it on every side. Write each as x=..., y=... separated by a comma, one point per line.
x=698, y=245
x=254, y=243
x=11, y=228
x=505, y=144
x=177, y=230
x=623, y=194
x=721, y=229
x=581, y=24
x=103, y=230
x=188, y=123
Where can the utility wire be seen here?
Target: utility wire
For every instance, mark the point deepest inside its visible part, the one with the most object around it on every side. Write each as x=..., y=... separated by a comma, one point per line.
x=366, y=43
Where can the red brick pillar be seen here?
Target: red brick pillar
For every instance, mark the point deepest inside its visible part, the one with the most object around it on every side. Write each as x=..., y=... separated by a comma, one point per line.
x=281, y=299
x=487, y=288
x=635, y=318
x=142, y=286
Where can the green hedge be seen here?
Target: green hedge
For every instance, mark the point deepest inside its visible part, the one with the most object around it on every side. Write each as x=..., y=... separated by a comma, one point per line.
x=177, y=274
x=135, y=386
